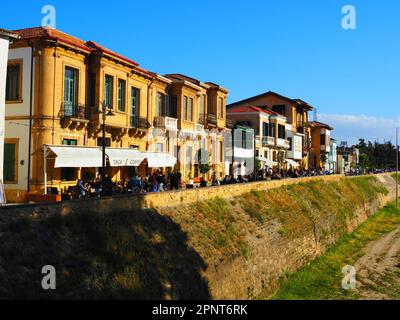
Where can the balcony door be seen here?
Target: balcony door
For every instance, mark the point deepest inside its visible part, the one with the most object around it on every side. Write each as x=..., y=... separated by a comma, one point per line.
x=70, y=91
x=135, y=94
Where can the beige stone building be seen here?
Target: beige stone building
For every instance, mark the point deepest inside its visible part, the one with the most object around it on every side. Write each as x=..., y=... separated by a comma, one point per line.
x=56, y=85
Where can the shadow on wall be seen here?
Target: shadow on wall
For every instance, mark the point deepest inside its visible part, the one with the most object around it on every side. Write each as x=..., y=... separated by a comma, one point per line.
x=120, y=255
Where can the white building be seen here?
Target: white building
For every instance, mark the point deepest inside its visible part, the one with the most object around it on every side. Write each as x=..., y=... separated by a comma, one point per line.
x=5, y=38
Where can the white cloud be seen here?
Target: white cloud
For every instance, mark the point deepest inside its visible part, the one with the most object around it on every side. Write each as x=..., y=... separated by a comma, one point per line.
x=352, y=127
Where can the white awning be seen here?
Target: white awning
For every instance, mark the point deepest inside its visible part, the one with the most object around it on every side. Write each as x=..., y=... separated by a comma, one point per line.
x=124, y=157
x=76, y=157
x=159, y=159
x=267, y=162
x=293, y=163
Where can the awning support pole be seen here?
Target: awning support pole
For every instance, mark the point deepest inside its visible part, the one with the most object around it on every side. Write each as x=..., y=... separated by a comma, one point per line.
x=45, y=168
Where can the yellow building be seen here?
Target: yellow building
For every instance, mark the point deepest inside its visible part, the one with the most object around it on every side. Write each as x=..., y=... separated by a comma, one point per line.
x=321, y=144
x=56, y=85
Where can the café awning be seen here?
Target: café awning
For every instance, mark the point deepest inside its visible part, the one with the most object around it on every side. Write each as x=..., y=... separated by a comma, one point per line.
x=76, y=157
x=267, y=162
x=293, y=163
x=159, y=159
x=119, y=157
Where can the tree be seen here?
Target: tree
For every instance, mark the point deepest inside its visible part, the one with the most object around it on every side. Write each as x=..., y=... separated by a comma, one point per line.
x=363, y=161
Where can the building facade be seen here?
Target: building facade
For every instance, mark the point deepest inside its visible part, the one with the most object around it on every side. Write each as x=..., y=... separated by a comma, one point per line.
x=320, y=145
x=270, y=132
x=56, y=85
x=296, y=130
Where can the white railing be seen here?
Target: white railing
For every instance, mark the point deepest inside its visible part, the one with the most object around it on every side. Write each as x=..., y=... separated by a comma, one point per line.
x=166, y=123
x=270, y=141
x=283, y=143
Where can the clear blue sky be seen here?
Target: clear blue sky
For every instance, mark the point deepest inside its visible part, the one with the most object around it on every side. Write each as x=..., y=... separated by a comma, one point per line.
x=297, y=48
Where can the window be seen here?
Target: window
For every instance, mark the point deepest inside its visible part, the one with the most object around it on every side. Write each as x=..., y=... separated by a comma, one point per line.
x=108, y=91
x=134, y=147
x=185, y=107
x=190, y=111
x=211, y=105
x=121, y=95
x=281, y=132
x=135, y=94
x=271, y=130
x=221, y=151
x=244, y=139
x=323, y=139
x=159, y=147
x=14, y=81
x=160, y=104
x=68, y=174
x=70, y=92
x=173, y=110
x=10, y=163
x=290, y=143
x=279, y=109
x=202, y=108
x=265, y=129
x=221, y=108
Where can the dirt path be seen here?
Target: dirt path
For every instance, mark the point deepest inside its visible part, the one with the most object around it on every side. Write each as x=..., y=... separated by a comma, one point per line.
x=378, y=270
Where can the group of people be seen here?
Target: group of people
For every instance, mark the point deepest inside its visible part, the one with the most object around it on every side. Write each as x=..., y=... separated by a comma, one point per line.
x=98, y=187
x=158, y=181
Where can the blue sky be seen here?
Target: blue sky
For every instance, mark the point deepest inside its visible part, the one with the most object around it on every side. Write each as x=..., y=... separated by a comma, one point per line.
x=296, y=48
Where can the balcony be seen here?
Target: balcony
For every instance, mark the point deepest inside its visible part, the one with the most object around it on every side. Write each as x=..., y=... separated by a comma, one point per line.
x=139, y=123
x=69, y=110
x=166, y=123
x=73, y=116
x=268, y=141
x=212, y=119
x=283, y=143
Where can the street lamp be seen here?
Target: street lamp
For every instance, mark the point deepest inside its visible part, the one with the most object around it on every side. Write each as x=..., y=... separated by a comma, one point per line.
x=106, y=110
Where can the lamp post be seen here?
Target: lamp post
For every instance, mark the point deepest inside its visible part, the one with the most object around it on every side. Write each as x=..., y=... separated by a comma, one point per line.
x=397, y=167
x=106, y=110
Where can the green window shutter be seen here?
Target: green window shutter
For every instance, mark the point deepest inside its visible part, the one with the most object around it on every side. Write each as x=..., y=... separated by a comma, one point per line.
x=9, y=162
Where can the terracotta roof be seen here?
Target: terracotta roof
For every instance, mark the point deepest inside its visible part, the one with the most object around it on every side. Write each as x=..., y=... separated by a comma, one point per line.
x=8, y=34
x=180, y=76
x=250, y=108
x=96, y=46
x=53, y=34
x=293, y=101
x=317, y=124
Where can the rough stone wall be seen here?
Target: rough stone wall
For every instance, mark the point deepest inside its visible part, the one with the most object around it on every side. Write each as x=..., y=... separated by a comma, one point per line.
x=273, y=255
x=239, y=278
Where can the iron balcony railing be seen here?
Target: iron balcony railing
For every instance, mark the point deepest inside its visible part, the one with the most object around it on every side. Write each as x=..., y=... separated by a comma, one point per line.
x=139, y=122
x=70, y=110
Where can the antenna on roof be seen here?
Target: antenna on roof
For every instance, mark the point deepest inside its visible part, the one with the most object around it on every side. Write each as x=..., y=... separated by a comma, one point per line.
x=315, y=115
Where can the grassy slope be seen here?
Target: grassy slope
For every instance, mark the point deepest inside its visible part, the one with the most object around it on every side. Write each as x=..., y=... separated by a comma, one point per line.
x=153, y=255
x=322, y=278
